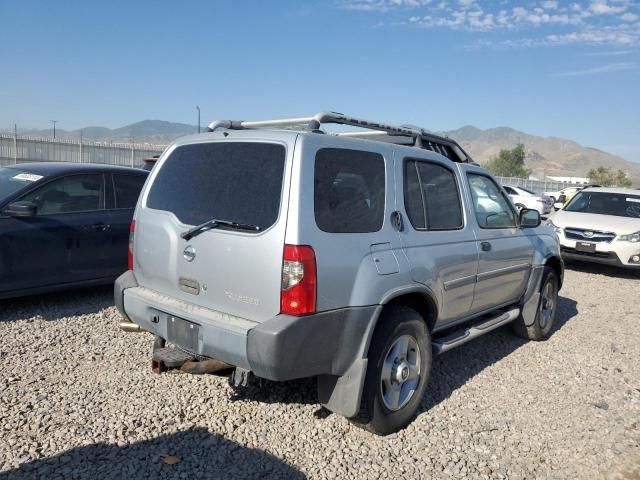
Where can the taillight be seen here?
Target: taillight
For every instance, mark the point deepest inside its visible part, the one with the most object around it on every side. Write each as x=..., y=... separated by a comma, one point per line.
x=298, y=294
x=132, y=230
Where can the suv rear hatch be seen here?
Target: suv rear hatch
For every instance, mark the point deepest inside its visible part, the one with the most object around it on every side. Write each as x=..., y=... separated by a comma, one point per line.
x=231, y=269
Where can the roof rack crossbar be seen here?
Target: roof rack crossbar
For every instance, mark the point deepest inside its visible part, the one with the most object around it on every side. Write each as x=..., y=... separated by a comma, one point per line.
x=420, y=137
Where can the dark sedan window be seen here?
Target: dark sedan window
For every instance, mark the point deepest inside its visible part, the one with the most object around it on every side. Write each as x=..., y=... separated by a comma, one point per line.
x=13, y=179
x=76, y=193
x=127, y=189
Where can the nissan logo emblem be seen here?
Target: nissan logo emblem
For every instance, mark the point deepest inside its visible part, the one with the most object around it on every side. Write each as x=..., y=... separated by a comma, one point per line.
x=189, y=253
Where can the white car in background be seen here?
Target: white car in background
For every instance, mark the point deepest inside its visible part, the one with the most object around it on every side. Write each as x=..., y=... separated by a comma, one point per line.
x=554, y=195
x=601, y=225
x=565, y=195
x=523, y=198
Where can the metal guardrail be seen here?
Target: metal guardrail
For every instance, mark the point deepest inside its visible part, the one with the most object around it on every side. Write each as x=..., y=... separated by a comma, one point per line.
x=17, y=149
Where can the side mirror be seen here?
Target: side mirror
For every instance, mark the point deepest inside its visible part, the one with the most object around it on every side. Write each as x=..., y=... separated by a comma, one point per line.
x=529, y=218
x=21, y=209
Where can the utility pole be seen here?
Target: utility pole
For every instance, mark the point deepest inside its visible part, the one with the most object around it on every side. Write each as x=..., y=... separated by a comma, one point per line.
x=198, y=108
x=15, y=143
x=54, y=127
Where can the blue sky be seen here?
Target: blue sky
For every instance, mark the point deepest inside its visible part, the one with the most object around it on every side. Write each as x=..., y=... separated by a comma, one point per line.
x=553, y=68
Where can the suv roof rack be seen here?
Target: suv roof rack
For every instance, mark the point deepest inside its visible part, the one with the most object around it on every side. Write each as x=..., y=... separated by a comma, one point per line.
x=402, y=135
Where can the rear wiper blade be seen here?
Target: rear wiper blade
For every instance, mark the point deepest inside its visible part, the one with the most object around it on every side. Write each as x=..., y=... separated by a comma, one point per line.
x=214, y=223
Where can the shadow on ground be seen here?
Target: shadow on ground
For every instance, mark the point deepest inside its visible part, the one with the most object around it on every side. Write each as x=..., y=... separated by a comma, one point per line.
x=57, y=305
x=453, y=369
x=600, y=269
x=200, y=453
x=301, y=391
x=450, y=371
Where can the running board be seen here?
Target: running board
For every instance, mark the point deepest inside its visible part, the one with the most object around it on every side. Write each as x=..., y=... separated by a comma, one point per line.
x=457, y=338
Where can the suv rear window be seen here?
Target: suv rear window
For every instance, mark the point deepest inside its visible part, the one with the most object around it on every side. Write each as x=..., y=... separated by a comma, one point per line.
x=349, y=191
x=235, y=181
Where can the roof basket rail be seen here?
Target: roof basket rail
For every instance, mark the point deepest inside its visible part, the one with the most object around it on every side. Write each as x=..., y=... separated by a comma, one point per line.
x=404, y=135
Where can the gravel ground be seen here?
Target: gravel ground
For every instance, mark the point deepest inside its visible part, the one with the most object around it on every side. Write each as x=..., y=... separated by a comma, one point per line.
x=78, y=400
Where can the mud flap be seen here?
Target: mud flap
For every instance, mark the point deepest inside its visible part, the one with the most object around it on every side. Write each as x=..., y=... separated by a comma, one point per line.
x=342, y=394
x=532, y=297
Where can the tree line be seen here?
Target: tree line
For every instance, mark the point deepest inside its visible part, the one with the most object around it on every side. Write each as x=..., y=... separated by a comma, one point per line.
x=510, y=163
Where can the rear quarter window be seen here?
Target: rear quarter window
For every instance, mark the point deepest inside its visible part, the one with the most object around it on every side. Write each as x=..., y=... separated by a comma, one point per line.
x=235, y=181
x=349, y=191
x=127, y=189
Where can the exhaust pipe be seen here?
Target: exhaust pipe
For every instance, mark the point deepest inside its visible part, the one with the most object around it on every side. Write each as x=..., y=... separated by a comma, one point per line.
x=131, y=327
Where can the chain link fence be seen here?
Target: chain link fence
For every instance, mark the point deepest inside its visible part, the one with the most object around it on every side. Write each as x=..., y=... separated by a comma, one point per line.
x=538, y=186
x=15, y=149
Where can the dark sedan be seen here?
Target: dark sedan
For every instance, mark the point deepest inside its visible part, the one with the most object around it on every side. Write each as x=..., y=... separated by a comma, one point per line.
x=64, y=225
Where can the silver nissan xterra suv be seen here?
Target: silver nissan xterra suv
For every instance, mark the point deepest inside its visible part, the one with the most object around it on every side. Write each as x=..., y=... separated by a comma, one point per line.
x=286, y=251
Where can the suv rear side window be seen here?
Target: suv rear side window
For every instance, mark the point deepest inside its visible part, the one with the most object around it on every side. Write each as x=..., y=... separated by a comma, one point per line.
x=127, y=189
x=235, y=181
x=349, y=191
x=431, y=196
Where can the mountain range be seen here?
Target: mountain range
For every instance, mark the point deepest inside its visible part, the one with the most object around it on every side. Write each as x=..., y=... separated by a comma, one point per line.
x=544, y=155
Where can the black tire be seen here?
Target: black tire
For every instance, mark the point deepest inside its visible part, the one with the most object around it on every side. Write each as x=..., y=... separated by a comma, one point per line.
x=396, y=323
x=543, y=324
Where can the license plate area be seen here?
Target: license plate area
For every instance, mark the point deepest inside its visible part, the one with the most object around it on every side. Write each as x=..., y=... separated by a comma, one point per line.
x=586, y=247
x=183, y=333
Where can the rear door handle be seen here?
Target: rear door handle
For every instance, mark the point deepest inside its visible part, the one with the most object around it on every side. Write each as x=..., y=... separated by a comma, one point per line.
x=486, y=246
x=101, y=227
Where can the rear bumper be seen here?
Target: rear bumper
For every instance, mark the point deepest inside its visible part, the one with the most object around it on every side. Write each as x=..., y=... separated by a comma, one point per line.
x=282, y=348
x=544, y=209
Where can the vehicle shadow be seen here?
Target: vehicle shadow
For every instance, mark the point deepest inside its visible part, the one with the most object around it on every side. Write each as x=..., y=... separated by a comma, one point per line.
x=453, y=369
x=56, y=305
x=302, y=392
x=199, y=454
x=450, y=371
x=600, y=269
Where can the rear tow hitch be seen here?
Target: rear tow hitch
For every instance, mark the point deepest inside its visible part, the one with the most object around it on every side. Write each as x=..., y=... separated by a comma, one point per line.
x=167, y=358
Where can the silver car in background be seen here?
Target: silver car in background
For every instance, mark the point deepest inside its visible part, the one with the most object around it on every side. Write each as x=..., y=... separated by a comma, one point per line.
x=523, y=198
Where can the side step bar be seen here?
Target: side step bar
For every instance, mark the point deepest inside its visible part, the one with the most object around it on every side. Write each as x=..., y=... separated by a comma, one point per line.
x=464, y=335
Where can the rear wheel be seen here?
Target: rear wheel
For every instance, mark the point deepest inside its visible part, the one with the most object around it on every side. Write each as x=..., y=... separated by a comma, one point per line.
x=546, y=311
x=397, y=372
